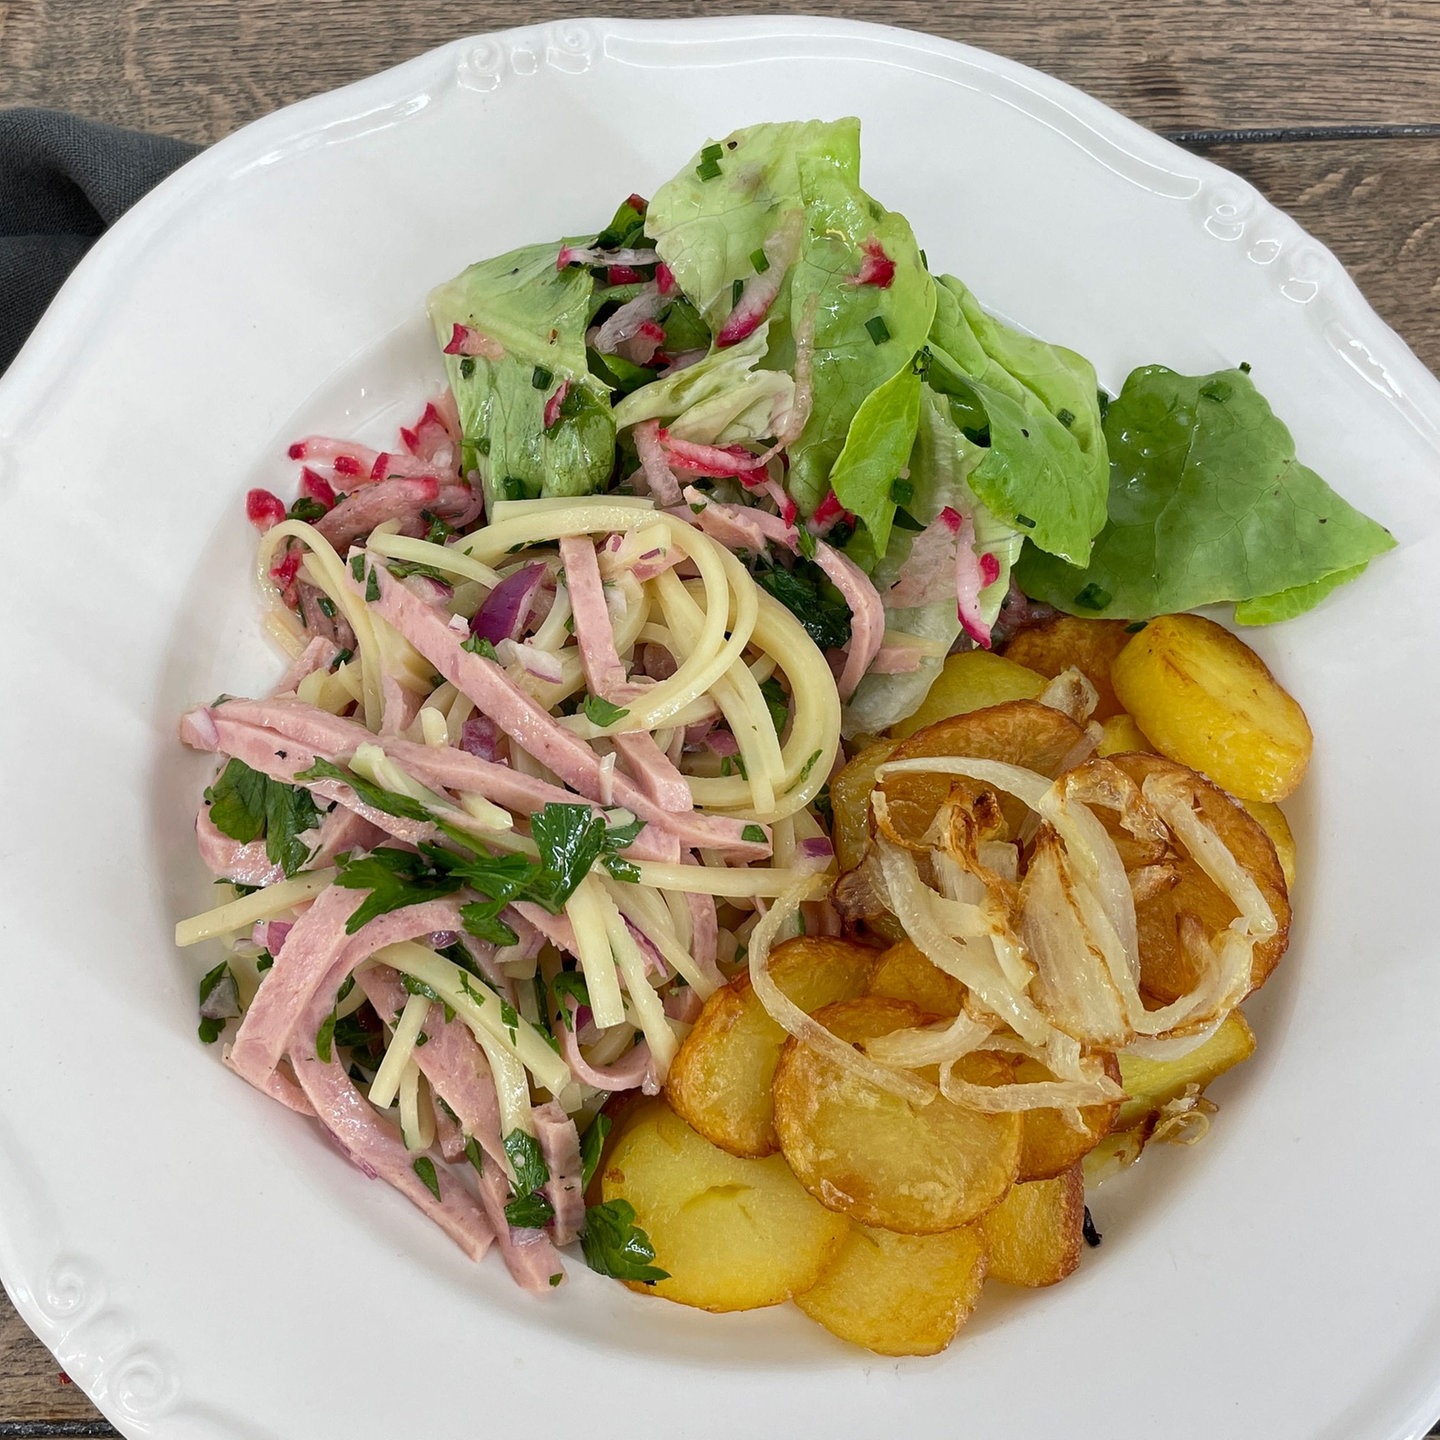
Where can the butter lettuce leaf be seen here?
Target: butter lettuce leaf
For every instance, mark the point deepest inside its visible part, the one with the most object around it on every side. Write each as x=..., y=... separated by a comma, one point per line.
x=537, y=315
x=720, y=209
x=940, y=464
x=877, y=449
x=1208, y=503
x=720, y=400
x=864, y=335
x=1034, y=408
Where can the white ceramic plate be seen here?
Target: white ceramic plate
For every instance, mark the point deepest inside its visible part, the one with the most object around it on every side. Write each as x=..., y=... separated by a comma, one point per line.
x=200, y=1261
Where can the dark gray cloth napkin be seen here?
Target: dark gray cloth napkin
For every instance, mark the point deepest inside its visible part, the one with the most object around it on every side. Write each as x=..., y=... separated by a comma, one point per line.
x=63, y=182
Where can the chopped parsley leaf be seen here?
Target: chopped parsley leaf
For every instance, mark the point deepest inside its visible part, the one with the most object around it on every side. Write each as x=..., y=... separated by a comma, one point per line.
x=477, y=645
x=528, y=1164
x=614, y=1245
x=529, y=1212
x=395, y=879
x=776, y=702
x=806, y=592
x=325, y=1038
x=592, y=1146
x=244, y=804
x=424, y=1167
x=599, y=711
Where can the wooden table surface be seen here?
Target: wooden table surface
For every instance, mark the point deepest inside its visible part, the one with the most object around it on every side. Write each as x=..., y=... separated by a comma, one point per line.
x=1331, y=107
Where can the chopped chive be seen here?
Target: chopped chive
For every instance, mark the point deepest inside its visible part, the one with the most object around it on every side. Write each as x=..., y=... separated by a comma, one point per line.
x=753, y=834
x=467, y=366
x=902, y=492
x=478, y=645
x=1093, y=597
x=737, y=289
x=357, y=566
x=482, y=445
x=708, y=169
x=1065, y=417
x=1136, y=626
x=877, y=329
x=1026, y=521
x=540, y=377
x=341, y=657
x=372, y=587
x=924, y=261
x=713, y=151
x=1244, y=367
x=760, y=260
x=327, y=607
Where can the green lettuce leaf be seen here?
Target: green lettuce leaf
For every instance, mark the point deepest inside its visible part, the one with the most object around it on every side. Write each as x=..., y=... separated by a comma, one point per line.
x=707, y=229
x=719, y=400
x=538, y=315
x=1034, y=407
x=877, y=448
x=939, y=470
x=864, y=335
x=1208, y=503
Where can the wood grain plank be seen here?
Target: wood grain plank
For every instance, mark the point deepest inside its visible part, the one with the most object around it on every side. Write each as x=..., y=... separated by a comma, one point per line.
x=32, y=1394
x=200, y=68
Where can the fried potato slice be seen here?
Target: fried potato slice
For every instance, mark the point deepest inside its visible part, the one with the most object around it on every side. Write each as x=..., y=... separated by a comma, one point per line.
x=873, y=1156
x=1034, y=1234
x=970, y=681
x=1089, y=645
x=1122, y=736
x=1207, y=700
x=904, y=972
x=1272, y=821
x=1019, y=732
x=1167, y=970
x=850, y=802
x=1051, y=1145
x=899, y=1294
x=733, y=1234
x=1151, y=1083
x=720, y=1079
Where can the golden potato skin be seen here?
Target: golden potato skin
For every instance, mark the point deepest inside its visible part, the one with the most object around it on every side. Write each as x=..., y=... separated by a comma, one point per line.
x=1089, y=645
x=899, y=1294
x=1019, y=732
x=1122, y=736
x=871, y=1155
x=1271, y=819
x=1050, y=1146
x=1166, y=970
x=1151, y=1083
x=850, y=802
x=720, y=1079
x=1206, y=699
x=905, y=972
x=972, y=680
x=733, y=1234
x=1034, y=1235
